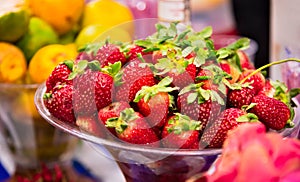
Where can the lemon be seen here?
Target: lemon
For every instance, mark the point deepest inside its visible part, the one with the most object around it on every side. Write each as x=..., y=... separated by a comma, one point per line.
x=14, y=18
x=47, y=58
x=107, y=13
x=12, y=63
x=98, y=33
x=61, y=15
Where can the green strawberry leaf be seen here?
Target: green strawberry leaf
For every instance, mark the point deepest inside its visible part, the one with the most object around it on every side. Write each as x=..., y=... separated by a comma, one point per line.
x=181, y=123
x=94, y=65
x=215, y=96
x=147, y=92
x=294, y=92
x=192, y=97
x=242, y=43
x=206, y=32
x=69, y=64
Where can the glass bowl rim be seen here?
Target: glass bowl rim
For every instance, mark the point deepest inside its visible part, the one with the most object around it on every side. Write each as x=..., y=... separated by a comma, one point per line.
x=74, y=130
x=19, y=85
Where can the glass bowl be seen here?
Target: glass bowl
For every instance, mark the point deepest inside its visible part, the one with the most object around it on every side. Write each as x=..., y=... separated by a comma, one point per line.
x=138, y=162
x=142, y=163
x=31, y=140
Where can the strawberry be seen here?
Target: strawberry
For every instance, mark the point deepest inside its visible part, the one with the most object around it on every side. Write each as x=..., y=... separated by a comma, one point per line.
x=199, y=104
x=90, y=124
x=112, y=111
x=135, y=50
x=233, y=71
x=59, y=102
x=257, y=80
x=110, y=53
x=240, y=97
x=272, y=112
x=212, y=77
x=245, y=61
x=268, y=89
x=59, y=75
x=181, y=71
x=215, y=135
x=181, y=132
x=83, y=56
x=153, y=102
x=134, y=77
x=132, y=127
x=93, y=90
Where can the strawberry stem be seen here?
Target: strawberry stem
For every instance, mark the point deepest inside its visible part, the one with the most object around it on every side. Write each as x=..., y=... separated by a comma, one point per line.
x=268, y=65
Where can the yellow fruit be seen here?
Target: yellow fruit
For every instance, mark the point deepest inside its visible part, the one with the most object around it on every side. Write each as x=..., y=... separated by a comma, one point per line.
x=39, y=34
x=47, y=58
x=62, y=15
x=12, y=63
x=97, y=33
x=107, y=13
x=14, y=19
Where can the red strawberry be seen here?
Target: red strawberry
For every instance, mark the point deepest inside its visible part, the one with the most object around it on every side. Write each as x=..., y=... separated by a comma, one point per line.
x=245, y=61
x=153, y=102
x=59, y=75
x=240, y=97
x=212, y=77
x=132, y=127
x=93, y=90
x=60, y=103
x=232, y=70
x=215, y=135
x=181, y=132
x=83, y=56
x=272, y=112
x=90, y=124
x=135, y=50
x=112, y=111
x=199, y=104
x=182, y=79
x=133, y=79
x=257, y=80
x=110, y=53
x=268, y=89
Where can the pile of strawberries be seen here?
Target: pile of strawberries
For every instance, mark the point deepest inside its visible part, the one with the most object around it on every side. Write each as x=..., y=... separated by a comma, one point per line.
x=172, y=89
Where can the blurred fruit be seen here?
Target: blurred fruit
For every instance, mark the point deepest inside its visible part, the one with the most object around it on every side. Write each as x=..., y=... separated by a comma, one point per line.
x=62, y=15
x=14, y=20
x=47, y=58
x=24, y=106
x=70, y=36
x=12, y=63
x=107, y=13
x=97, y=32
x=39, y=34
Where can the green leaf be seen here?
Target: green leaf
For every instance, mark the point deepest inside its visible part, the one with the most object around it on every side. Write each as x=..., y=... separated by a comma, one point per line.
x=187, y=51
x=294, y=92
x=94, y=65
x=206, y=32
x=81, y=66
x=242, y=43
x=192, y=97
x=69, y=64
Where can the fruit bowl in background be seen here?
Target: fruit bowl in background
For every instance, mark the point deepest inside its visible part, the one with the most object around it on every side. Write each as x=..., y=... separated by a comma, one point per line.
x=32, y=141
x=138, y=162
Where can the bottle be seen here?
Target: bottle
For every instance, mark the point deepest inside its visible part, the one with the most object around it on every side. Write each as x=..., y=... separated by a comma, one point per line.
x=174, y=10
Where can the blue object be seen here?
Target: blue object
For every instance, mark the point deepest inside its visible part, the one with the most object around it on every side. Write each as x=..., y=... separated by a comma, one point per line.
x=4, y=175
x=81, y=169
